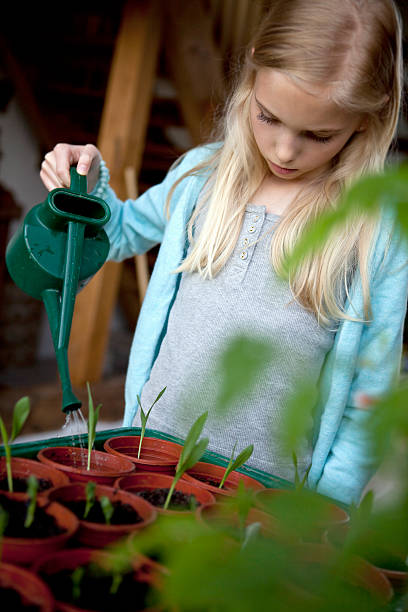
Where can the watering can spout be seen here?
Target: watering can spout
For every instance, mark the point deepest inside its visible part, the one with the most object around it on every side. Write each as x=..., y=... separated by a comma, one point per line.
x=60, y=244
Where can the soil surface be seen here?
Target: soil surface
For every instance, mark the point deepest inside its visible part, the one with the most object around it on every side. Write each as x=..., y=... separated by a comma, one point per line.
x=94, y=589
x=207, y=480
x=20, y=484
x=43, y=526
x=179, y=500
x=123, y=514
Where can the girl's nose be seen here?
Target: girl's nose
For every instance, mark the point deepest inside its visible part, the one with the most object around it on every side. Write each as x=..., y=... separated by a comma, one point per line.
x=286, y=148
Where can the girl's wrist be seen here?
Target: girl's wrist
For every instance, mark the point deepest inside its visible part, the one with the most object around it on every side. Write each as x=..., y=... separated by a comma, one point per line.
x=103, y=181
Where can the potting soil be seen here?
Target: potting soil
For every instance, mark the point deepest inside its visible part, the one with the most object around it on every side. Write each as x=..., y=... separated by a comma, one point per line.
x=43, y=526
x=178, y=501
x=20, y=484
x=94, y=590
x=123, y=514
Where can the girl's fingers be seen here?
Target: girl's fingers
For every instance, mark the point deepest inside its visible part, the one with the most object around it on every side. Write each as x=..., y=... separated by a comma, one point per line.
x=55, y=169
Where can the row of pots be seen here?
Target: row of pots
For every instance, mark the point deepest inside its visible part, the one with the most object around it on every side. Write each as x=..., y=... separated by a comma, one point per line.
x=119, y=467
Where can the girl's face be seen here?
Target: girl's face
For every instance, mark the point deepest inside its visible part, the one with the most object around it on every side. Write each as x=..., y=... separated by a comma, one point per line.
x=298, y=132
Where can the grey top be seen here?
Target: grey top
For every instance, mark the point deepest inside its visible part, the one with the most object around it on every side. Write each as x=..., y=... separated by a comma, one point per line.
x=245, y=297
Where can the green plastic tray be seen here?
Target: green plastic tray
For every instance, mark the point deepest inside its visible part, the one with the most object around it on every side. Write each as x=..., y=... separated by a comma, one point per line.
x=30, y=450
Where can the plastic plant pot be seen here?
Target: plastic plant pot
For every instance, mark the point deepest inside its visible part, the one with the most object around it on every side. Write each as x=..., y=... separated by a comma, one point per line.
x=25, y=550
x=156, y=455
x=104, y=469
x=32, y=590
x=329, y=515
x=147, y=573
x=96, y=534
x=220, y=516
x=203, y=474
x=148, y=481
x=21, y=468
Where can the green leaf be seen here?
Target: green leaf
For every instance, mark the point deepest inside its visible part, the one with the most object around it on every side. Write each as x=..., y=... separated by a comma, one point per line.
x=93, y=416
x=32, y=489
x=194, y=456
x=192, y=437
x=156, y=400
x=20, y=414
x=242, y=457
x=90, y=497
x=107, y=508
x=8, y=455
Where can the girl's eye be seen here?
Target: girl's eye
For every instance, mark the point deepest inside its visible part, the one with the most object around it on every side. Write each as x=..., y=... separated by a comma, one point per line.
x=269, y=120
x=321, y=139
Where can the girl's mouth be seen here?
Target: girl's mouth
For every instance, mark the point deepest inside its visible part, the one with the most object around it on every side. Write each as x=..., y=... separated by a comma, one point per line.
x=280, y=170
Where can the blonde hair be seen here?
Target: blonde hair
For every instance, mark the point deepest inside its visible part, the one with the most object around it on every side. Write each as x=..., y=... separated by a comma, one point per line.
x=353, y=47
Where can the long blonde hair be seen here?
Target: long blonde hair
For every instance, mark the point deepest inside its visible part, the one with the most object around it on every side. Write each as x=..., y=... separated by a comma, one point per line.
x=353, y=46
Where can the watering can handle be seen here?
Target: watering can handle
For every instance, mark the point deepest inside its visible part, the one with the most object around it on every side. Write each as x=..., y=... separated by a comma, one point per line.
x=79, y=182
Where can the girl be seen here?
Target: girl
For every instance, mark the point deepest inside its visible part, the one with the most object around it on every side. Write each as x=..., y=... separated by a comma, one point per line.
x=316, y=106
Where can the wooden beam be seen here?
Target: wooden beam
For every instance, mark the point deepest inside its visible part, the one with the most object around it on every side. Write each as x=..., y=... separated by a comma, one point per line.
x=121, y=141
x=194, y=63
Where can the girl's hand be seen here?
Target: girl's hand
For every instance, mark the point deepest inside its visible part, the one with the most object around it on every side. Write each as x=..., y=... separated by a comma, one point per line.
x=56, y=164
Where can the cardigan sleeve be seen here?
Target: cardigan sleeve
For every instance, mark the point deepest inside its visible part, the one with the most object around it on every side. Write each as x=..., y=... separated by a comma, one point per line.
x=353, y=459
x=138, y=225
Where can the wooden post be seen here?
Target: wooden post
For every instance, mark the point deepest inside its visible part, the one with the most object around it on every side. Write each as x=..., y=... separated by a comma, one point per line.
x=121, y=141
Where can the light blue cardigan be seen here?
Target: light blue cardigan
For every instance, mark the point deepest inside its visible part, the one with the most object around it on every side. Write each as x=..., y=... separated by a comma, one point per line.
x=364, y=358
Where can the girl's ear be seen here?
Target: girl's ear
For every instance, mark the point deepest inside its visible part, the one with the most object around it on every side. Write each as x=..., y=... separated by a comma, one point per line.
x=363, y=125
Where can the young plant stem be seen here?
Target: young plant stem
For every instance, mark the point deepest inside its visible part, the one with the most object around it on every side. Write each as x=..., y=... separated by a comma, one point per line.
x=90, y=497
x=20, y=413
x=93, y=415
x=190, y=454
x=107, y=508
x=240, y=460
x=144, y=417
x=32, y=491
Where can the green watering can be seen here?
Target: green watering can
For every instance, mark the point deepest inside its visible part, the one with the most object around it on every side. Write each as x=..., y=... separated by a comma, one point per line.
x=59, y=245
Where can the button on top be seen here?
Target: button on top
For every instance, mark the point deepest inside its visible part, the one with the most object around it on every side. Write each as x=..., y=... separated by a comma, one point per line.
x=243, y=255
x=251, y=229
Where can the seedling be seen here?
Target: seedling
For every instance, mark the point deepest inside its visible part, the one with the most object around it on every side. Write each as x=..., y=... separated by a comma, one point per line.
x=107, y=508
x=20, y=414
x=144, y=416
x=90, y=497
x=76, y=578
x=190, y=454
x=4, y=518
x=240, y=460
x=93, y=415
x=32, y=490
x=299, y=484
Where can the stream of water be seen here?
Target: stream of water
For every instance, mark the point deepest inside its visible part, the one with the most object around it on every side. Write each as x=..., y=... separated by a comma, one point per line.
x=75, y=425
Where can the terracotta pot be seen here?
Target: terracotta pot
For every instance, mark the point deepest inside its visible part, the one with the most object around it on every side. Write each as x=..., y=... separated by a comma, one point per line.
x=215, y=473
x=145, y=481
x=155, y=456
x=22, y=468
x=146, y=571
x=32, y=590
x=24, y=551
x=331, y=516
x=99, y=535
x=359, y=572
x=105, y=468
x=220, y=516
